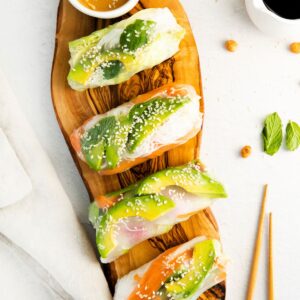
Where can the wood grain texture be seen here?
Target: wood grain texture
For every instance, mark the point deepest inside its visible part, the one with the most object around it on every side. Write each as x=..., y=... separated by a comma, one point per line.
x=73, y=108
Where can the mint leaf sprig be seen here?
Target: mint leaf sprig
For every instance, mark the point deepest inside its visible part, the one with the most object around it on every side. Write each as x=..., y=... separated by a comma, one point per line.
x=292, y=136
x=272, y=134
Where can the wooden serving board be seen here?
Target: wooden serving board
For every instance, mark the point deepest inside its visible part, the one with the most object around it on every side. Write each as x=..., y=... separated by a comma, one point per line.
x=73, y=108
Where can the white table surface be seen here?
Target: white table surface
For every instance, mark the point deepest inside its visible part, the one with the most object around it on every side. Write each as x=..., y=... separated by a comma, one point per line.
x=240, y=90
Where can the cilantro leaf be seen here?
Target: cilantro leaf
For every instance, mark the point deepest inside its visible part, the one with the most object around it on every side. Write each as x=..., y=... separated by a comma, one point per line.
x=292, y=136
x=272, y=134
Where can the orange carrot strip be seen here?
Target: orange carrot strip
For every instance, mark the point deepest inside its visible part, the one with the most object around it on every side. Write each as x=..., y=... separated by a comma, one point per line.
x=75, y=141
x=158, y=272
x=169, y=88
x=105, y=201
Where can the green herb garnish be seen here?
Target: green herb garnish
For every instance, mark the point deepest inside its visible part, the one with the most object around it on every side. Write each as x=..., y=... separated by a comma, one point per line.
x=272, y=134
x=94, y=142
x=292, y=136
x=136, y=35
x=111, y=69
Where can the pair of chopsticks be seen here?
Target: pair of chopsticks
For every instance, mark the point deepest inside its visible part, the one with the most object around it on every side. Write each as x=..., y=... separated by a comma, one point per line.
x=257, y=250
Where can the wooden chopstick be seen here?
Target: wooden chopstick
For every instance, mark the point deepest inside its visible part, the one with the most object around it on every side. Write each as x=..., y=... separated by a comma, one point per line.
x=257, y=249
x=271, y=274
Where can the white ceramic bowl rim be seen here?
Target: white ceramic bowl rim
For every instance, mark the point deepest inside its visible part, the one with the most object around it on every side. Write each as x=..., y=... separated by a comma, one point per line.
x=260, y=5
x=130, y=4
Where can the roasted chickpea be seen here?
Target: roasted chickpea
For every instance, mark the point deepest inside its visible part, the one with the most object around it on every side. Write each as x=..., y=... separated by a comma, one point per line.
x=231, y=45
x=246, y=151
x=295, y=48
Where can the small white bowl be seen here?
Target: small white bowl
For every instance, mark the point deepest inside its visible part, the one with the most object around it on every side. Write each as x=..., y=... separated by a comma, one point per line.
x=122, y=10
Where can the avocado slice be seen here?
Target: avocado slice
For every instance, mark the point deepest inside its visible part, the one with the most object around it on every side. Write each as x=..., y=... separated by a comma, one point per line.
x=94, y=155
x=106, y=139
x=112, y=156
x=127, y=192
x=93, y=142
x=146, y=117
x=94, y=213
x=149, y=207
x=189, y=177
x=116, y=142
x=110, y=61
x=204, y=255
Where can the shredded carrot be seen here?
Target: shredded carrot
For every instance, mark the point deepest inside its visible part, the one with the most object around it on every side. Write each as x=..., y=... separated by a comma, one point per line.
x=137, y=277
x=170, y=88
x=158, y=272
x=176, y=92
x=106, y=202
x=75, y=141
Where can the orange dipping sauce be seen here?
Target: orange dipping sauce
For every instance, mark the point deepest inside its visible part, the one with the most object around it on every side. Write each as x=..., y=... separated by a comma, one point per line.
x=103, y=5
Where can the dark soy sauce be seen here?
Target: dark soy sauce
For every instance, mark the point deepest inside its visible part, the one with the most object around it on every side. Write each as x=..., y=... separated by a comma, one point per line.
x=288, y=9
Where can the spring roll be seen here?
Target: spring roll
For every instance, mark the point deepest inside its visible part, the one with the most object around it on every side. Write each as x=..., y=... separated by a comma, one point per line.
x=114, y=54
x=136, y=131
x=183, y=272
x=151, y=207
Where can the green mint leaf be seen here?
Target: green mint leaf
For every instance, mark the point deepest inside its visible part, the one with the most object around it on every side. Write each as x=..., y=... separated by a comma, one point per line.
x=111, y=68
x=272, y=134
x=136, y=35
x=292, y=136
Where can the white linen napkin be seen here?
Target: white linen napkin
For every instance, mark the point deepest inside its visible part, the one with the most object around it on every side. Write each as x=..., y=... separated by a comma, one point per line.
x=12, y=175
x=44, y=223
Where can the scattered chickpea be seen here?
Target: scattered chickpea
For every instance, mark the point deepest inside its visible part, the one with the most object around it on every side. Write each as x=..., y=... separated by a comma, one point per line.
x=246, y=151
x=295, y=48
x=231, y=45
